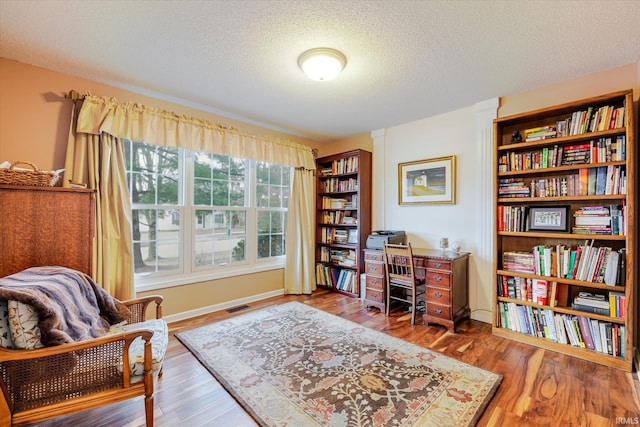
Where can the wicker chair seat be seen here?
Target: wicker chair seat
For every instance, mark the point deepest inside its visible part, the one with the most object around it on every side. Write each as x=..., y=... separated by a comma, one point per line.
x=159, y=343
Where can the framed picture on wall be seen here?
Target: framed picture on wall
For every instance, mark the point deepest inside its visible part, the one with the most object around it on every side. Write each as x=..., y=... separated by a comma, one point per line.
x=427, y=181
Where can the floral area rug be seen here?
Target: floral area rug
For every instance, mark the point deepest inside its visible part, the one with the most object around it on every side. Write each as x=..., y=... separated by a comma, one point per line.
x=295, y=365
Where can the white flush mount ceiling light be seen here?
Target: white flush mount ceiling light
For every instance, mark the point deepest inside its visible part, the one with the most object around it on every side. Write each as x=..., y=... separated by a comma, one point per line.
x=322, y=64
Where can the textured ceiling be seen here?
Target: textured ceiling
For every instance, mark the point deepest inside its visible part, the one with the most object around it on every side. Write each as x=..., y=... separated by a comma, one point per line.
x=407, y=60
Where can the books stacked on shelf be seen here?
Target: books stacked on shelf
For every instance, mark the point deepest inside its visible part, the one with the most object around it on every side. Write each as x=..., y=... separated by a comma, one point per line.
x=336, y=203
x=524, y=288
x=335, y=185
x=592, y=120
x=617, y=304
x=337, y=278
x=599, y=220
x=344, y=165
x=343, y=257
x=592, y=220
x=512, y=218
x=555, y=186
x=338, y=217
x=539, y=133
x=334, y=235
x=584, y=262
x=578, y=331
x=518, y=261
x=607, y=150
x=576, y=154
x=326, y=171
x=591, y=303
x=513, y=187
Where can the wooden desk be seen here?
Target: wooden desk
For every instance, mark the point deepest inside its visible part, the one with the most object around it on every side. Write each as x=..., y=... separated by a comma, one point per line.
x=447, y=280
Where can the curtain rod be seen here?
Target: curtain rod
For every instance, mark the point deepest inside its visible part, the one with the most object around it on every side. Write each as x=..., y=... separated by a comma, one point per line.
x=75, y=95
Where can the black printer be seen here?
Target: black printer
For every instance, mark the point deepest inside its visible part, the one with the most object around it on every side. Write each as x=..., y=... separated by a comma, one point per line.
x=378, y=238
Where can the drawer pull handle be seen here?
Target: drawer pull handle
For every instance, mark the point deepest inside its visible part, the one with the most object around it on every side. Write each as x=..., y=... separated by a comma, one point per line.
x=374, y=268
x=437, y=278
x=438, y=295
x=438, y=310
x=437, y=264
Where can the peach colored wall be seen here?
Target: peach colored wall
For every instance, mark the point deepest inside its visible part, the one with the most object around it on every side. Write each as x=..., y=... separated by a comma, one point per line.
x=34, y=126
x=362, y=141
x=616, y=79
x=34, y=115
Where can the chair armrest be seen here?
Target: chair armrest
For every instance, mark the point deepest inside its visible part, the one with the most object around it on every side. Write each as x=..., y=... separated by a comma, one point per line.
x=138, y=307
x=30, y=379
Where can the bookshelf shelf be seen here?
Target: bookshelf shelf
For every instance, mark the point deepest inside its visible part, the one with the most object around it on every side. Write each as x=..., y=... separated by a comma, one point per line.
x=581, y=182
x=343, y=219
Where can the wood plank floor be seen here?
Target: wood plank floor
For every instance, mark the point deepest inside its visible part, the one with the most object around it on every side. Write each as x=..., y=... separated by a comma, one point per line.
x=540, y=388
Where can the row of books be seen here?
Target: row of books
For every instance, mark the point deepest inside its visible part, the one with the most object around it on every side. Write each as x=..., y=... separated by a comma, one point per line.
x=524, y=288
x=578, y=331
x=334, y=185
x=540, y=132
x=337, y=278
x=612, y=304
x=512, y=218
x=593, y=119
x=584, y=262
x=596, y=151
x=338, y=217
x=342, y=166
x=600, y=220
x=602, y=180
x=339, y=203
x=338, y=236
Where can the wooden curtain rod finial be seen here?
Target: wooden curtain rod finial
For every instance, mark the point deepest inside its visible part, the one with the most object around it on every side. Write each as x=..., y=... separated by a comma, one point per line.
x=75, y=95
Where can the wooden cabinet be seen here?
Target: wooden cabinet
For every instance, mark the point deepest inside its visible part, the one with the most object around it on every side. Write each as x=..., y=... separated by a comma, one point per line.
x=447, y=293
x=566, y=243
x=446, y=277
x=54, y=226
x=343, y=219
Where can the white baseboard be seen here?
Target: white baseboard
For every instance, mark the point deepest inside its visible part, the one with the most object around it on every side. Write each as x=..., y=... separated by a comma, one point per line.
x=482, y=316
x=222, y=306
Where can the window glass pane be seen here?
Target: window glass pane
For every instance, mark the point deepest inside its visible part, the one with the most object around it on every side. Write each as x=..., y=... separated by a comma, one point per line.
x=275, y=196
x=262, y=172
x=156, y=240
x=202, y=165
x=220, y=193
x=220, y=166
x=143, y=190
x=262, y=195
x=277, y=245
x=275, y=174
x=236, y=193
x=277, y=222
x=263, y=246
x=202, y=192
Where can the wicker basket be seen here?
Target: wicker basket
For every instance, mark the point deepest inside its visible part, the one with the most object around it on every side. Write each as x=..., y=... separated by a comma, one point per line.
x=35, y=176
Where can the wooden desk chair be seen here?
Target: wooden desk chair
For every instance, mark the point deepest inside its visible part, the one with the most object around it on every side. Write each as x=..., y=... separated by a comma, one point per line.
x=402, y=283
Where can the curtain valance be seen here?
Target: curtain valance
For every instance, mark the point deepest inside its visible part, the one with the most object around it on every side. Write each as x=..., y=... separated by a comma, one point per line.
x=160, y=127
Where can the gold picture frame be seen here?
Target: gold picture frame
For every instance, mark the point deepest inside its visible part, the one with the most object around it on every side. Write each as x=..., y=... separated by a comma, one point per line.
x=427, y=181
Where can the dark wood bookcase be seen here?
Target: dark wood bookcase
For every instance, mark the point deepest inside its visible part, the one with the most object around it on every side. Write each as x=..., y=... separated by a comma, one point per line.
x=549, y=183
x=343, y=219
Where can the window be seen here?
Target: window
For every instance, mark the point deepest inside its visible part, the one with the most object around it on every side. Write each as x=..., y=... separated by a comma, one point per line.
x=197, y=216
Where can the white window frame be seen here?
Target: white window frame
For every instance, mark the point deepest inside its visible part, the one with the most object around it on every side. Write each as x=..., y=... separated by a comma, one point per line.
x=188, y=273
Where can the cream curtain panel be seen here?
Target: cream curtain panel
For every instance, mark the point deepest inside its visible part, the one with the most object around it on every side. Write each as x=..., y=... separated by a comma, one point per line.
x=100, y=116
x=299, y=273
x=100, y=158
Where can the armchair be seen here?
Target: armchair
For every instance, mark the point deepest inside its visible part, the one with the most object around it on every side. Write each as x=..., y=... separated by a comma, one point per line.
x=52, y=381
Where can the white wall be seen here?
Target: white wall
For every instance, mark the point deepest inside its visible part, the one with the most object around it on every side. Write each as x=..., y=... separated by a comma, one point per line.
x=467, y=134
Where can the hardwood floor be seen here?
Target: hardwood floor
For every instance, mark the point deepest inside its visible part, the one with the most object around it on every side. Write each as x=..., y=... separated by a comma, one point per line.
x=539, y=388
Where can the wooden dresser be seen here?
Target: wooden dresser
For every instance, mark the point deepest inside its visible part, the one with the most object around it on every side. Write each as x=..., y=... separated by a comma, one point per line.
x=45, y=226
x=447, y=279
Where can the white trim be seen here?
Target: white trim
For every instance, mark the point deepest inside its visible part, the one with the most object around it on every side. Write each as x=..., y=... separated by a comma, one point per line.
x=223, y=273
x=378, y=180
x=486, y=112
x=222, y=306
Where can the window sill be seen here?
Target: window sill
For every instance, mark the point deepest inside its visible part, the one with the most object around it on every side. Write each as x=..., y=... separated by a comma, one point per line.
x=183, y=279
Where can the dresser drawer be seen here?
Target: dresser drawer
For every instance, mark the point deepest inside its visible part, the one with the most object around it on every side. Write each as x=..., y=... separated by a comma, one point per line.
x=438, y=264
x=374, y=295
x=374, y=255
x=377, y=283
x=374, y=268
x=441, y=311
x=438, y=296
x=437, y=278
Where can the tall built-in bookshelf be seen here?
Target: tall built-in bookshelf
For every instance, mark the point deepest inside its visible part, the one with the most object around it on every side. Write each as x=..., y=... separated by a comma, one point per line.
x=566, y=197
x=343, y=219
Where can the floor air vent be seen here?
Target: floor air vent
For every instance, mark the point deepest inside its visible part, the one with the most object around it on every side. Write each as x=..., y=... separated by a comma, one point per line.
x=238, y=308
